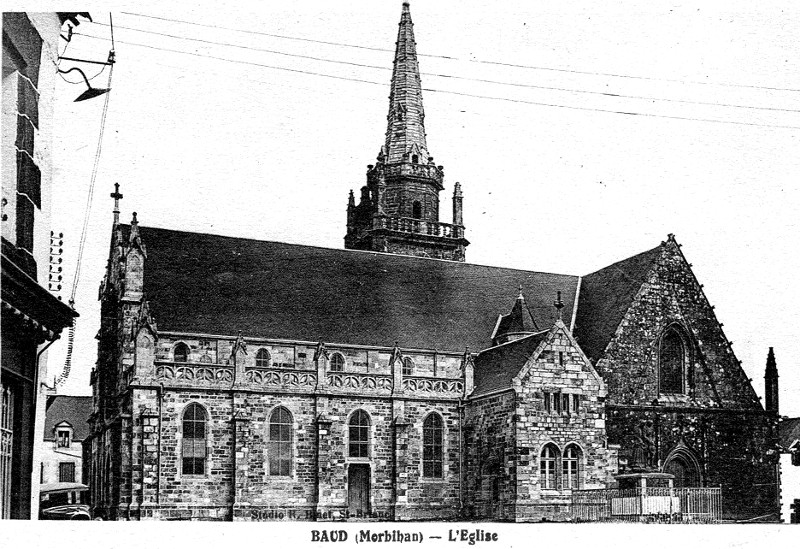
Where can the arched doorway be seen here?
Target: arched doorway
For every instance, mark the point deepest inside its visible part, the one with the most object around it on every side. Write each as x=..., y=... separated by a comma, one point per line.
x=684, y=466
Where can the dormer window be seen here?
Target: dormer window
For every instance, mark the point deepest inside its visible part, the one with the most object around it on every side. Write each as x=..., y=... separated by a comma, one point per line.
x=408, y=367
x=63, y=437
x=337, y=362
x=262, y=358
x=181, y=353
x=415, y=159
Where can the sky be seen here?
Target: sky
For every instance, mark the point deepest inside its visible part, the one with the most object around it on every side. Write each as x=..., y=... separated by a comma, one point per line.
x=582, y=134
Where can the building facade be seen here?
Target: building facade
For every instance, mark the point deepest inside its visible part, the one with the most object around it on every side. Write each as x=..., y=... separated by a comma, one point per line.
x=393, y=380
x=65, y=429
x=32, y=317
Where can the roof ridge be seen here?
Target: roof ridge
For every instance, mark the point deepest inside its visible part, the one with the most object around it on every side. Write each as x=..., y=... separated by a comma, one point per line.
x=621, y=261
x=344, y=250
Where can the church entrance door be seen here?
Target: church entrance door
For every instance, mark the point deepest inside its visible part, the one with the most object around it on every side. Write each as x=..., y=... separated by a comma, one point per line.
x=358, y=490
x=686, y=475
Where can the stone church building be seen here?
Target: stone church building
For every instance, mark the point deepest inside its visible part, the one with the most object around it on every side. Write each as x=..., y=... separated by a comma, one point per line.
x=252, y=380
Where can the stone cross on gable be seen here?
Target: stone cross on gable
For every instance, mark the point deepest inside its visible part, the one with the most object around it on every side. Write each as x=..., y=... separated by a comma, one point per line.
x=116, y=195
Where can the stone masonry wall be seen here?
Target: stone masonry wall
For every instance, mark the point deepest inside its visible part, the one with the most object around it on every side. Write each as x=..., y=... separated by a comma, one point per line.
x=490, y=459
x=717, y=420
x=318, y=483
x=559, y=371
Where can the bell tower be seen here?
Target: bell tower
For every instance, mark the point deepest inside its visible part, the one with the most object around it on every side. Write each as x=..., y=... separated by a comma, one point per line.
x=398, y=211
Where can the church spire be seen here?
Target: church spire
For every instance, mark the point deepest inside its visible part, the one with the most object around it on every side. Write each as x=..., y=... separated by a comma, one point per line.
x=399, y=207
x=405, y=132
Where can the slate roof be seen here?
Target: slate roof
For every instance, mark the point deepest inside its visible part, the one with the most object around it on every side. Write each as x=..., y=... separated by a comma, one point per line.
x=605, y=297
x=497, y=366
x=788, y=431
x=201, y=283
x=73, y=409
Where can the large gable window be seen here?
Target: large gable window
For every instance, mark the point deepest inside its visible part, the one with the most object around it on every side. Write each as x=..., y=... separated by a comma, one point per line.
x=280, y=442
x=432, y=454
x=193, y=452
x=671, y=361
x=359, y=434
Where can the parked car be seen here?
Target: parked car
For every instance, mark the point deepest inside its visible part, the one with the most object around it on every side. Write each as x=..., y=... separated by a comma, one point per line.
x=64, y=501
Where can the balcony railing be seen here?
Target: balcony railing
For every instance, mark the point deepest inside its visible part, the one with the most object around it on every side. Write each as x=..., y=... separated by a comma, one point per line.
x=203, y=374
x=407, y=169
x=362, y=383
x=433, y=386
x=418, y=226
x=696, y=505
x=193, y=373
x=269, y=377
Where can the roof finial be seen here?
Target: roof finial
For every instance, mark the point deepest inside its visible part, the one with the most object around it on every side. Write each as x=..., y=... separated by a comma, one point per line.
x=116, y=195
x=558, y=304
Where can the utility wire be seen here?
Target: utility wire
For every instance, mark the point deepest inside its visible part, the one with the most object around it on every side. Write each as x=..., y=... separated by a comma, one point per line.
x=534, y=67
x=99, y=149
x=464, y=94
x=455, y=77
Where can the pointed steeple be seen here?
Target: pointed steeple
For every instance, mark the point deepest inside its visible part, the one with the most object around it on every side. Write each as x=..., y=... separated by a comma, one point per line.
x=135, y=239
x=771, y=383
x=405, y=132
x=518, y=323
x=399, y=207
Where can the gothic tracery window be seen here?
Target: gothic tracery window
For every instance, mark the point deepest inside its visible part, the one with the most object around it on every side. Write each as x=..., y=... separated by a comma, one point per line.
x=672, y=357
x=193, y=452
x=359, y=435
x=280, y=442
x=432, y=446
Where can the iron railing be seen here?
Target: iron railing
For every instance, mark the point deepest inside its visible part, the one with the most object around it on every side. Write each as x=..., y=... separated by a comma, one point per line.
x=694, y=505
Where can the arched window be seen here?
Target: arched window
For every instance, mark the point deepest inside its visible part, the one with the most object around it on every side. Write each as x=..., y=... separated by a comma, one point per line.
x=337, y=362
x=415, y=159
x=280, y=442
x=205, y=359
x=432, y=446
x=570, y=465
x=416, y=210
x=359, y=434
x=547, y=467
x=181, y=353
x=193, y=453
x=262, y=358
x=408, y=367
x=671, y=360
